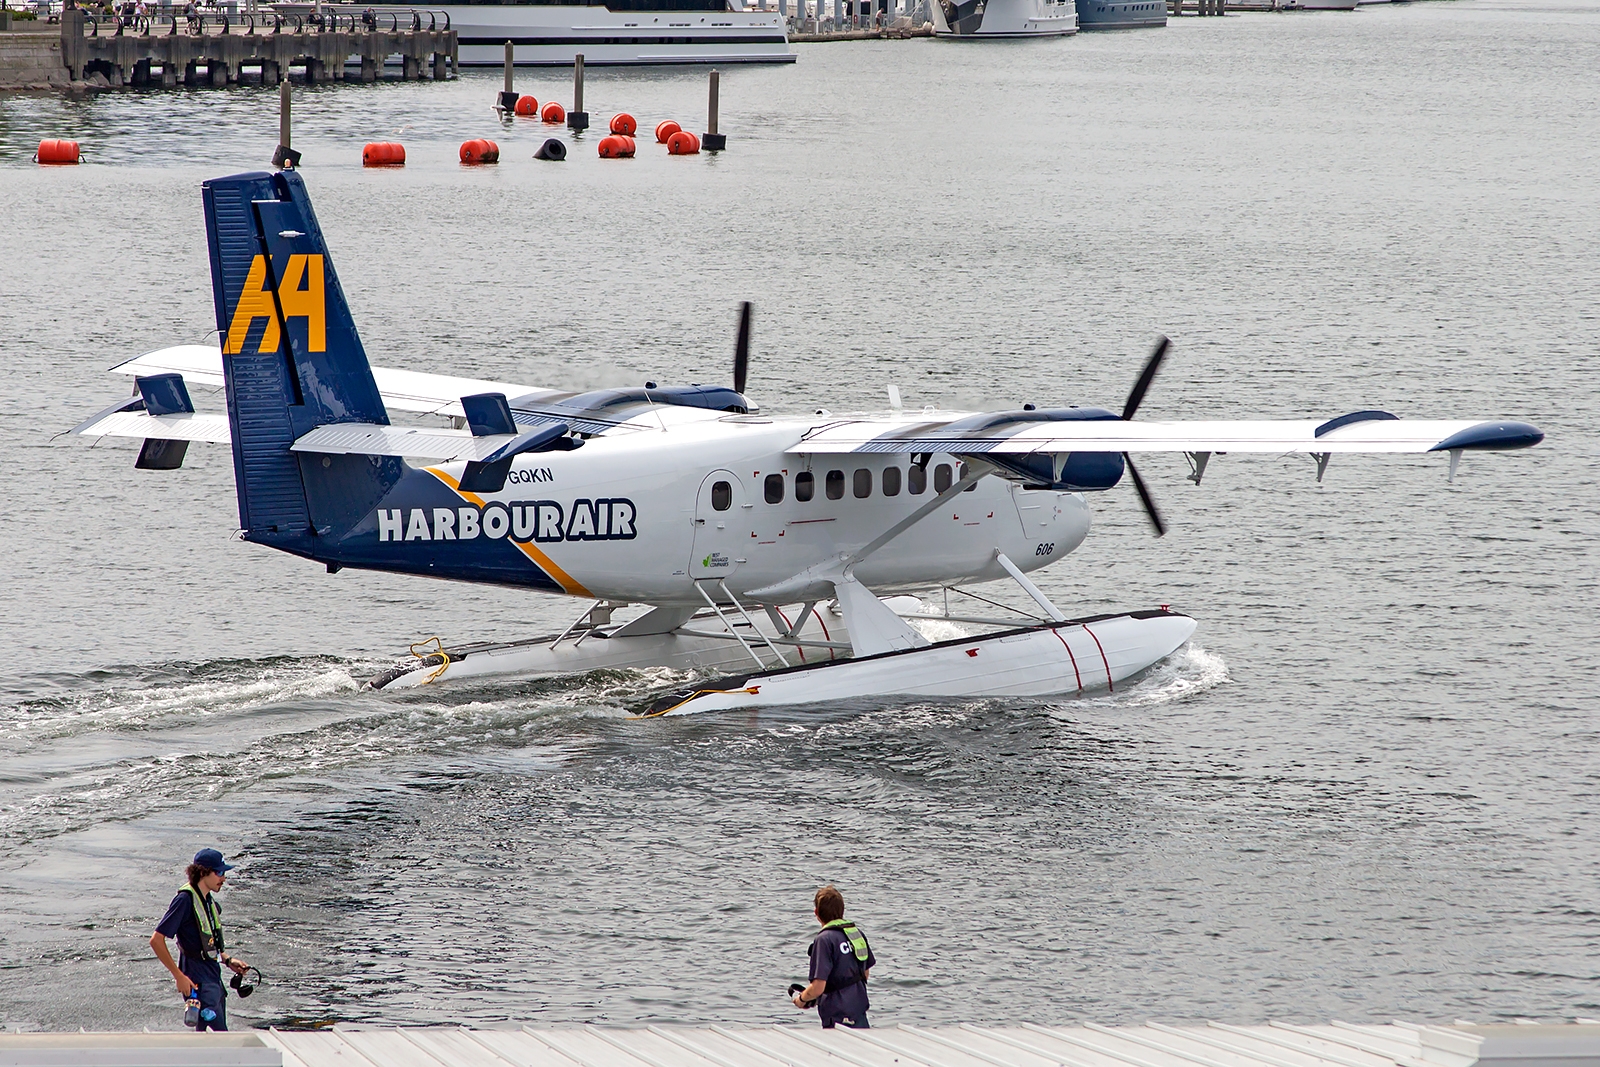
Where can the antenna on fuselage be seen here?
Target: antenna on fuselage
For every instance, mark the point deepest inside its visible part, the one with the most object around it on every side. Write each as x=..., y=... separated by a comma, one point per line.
x=741, y=349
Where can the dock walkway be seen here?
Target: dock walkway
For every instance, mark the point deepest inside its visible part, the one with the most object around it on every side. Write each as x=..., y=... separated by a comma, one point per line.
x=1277, y=1044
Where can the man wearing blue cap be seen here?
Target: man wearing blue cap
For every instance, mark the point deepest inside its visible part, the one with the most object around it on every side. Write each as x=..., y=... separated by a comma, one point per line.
x=195, y=919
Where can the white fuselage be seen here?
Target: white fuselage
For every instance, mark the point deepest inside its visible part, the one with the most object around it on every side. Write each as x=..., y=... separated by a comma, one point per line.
x=697, y=485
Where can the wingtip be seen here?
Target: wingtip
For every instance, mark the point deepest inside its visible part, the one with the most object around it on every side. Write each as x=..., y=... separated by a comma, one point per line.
x=1495, y=436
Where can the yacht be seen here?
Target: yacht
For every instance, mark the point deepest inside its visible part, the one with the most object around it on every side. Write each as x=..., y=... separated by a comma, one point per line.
x=1121, y=14
x=1004, y=18
x=617, y=33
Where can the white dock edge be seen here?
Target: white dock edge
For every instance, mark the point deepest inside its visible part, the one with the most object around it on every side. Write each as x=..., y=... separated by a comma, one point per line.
x=244, y=1049
x=1024, y=1045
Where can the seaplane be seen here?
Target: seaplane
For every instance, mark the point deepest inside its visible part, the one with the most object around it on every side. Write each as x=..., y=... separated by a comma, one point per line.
x=770, y=560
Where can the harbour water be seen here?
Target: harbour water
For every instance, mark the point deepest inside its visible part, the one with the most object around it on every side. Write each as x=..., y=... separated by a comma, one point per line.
x=1367, y=791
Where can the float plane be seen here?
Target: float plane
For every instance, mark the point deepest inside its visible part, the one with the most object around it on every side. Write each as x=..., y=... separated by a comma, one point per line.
x=701, y=534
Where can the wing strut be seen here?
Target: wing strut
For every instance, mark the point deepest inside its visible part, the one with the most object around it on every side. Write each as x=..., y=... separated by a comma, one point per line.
x=1028, y=587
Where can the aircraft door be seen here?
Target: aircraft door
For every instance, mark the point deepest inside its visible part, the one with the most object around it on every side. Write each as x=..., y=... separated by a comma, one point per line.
x=721, y=526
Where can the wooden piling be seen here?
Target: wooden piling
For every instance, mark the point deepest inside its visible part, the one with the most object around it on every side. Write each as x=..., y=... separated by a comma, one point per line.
x=711, y=140
x=577, y=118
x=507, y=100
x=285, y=157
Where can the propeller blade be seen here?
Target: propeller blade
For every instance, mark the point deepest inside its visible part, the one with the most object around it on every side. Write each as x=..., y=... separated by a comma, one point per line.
x=1145, y=498
x=741, y=348
x=1147, y=376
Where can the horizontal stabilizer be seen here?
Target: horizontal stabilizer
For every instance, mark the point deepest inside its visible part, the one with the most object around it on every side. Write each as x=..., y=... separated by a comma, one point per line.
x=401, y=390
x=412, y=442
x=191, y=427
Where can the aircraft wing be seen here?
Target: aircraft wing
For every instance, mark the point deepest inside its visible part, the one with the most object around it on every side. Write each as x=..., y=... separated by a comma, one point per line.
x=401, y=390
x=1085, y=430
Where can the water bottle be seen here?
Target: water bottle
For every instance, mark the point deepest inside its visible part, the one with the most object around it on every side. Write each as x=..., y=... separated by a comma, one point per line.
x=191, y=1009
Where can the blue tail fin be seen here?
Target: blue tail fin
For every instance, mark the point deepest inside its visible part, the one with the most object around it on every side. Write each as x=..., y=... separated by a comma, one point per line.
x=290, y=353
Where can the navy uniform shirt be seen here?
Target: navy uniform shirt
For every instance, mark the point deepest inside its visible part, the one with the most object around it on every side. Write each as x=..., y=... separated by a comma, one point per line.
x=833, y=959
x=179, y=922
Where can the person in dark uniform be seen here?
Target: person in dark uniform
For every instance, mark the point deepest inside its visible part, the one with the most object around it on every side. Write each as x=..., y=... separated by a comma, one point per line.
x=841, y=960
x=194, y=918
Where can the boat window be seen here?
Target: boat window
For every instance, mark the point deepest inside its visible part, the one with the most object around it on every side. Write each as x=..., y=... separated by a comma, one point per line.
x=917, y=480
x=835, y=485
x=772, y=489
x=863, y=483
x=941, y=477
x=964, y=470
x=891, y=481
x=722, y=496
x=805, y=486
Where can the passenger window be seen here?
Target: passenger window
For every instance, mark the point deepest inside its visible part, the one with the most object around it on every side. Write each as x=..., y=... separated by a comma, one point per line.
x=835, y=485
x=917, y=480
x=722, y=496
x=773, y=489
x=891, y=481
x=971, y=487
x=941, y=477
x=805, y=486
x=863, y=484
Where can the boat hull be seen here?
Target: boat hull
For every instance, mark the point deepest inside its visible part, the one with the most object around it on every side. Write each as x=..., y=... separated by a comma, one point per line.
x=548, y=35
x=1121, y=14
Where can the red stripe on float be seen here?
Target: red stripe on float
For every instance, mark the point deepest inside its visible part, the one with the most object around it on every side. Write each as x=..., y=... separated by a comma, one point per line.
x=1070, y=656
x=1103, y=659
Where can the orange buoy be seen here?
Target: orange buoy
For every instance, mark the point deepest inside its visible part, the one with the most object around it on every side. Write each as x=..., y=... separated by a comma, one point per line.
x=383, y=154
x=527, y=107
x=683, y=143
x=53, y=151
x=480, y=150
x=553, y=112
x=616, y=146
x=624, y=124
x=666, y=129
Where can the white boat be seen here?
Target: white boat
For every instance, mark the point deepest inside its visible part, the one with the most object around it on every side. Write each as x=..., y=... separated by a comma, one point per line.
x=1004, y=18
x=1328, y=5
x=618, y=33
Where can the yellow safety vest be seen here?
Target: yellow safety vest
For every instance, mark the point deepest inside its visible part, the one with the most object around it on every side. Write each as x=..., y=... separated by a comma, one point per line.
x=207, y=914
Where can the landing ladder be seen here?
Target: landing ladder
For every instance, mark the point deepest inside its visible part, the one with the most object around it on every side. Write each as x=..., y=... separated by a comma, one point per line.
x=730, y=626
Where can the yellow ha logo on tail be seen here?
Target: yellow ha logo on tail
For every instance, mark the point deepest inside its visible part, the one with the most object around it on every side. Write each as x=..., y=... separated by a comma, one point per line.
x=307, y=303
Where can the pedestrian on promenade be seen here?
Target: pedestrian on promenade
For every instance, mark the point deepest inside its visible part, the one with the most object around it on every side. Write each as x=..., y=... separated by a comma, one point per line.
x=194, y=918
x=841, y=961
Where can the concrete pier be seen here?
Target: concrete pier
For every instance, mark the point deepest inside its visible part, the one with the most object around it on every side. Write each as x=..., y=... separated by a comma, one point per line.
x=215, y=56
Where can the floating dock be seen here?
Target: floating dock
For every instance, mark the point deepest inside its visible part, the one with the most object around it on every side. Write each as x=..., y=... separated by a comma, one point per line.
x=1277, y=1044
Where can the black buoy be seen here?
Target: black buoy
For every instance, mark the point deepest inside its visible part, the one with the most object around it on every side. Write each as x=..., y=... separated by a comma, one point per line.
x=552, y=149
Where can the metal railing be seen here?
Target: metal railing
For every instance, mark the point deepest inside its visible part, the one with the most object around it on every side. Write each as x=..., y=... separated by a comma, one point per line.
x=171, y=19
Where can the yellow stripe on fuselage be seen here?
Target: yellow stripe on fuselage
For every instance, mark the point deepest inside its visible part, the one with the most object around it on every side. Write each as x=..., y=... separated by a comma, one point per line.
x=548, y=565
